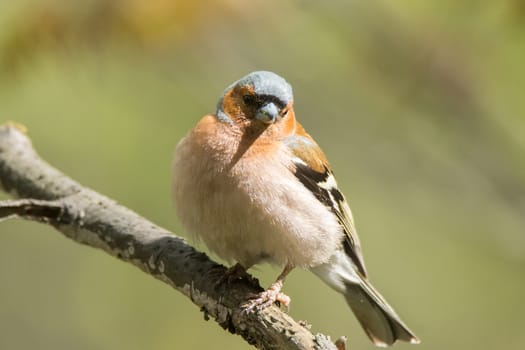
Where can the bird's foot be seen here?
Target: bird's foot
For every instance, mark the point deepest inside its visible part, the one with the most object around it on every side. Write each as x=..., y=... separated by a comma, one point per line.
x=264, y=299
x=235, y=273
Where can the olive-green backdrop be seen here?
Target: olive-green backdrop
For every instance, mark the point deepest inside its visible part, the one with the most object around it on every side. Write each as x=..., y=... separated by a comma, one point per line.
x=419, y=106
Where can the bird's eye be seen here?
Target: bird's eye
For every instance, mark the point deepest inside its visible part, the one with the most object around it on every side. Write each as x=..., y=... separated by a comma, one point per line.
x=249, y=100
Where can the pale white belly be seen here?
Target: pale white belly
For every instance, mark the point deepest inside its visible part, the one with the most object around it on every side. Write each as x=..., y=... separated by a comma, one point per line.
x=256, y=211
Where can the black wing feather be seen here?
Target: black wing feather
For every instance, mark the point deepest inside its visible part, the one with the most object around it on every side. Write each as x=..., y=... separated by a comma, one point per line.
x=335, y=201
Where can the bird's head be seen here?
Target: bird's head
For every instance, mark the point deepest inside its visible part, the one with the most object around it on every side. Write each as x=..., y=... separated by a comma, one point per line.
x=258, y=101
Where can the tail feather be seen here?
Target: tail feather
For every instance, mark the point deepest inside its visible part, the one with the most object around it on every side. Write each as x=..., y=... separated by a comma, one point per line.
x=380, y=322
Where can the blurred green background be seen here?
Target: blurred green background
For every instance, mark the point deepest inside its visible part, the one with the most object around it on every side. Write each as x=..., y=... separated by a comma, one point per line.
x=419, y=106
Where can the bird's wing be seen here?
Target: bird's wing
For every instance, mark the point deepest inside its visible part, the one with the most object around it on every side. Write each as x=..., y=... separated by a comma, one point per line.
x=313, y=171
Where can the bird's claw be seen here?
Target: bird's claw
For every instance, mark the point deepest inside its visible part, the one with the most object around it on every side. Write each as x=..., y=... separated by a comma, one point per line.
x=234, y=274
x=265, y=299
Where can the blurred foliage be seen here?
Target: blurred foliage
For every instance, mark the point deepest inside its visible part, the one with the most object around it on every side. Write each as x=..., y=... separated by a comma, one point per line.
x=419, y=106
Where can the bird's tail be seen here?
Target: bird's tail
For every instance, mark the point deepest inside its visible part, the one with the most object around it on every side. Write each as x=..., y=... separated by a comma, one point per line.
x=380, y=322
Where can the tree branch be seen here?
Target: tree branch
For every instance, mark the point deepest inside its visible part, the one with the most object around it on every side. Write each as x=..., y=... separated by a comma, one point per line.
x=90, y=218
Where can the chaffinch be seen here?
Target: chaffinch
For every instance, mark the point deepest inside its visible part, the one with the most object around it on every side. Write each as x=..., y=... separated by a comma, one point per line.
x=255, y=187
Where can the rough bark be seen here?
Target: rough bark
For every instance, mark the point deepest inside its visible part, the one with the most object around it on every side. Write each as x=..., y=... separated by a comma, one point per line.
x=46, y=195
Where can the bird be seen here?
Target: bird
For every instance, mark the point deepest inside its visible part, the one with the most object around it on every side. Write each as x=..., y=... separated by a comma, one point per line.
x=255, y=187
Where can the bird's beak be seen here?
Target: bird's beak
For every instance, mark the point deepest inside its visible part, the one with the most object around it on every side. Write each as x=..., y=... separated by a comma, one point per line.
x=268, y=113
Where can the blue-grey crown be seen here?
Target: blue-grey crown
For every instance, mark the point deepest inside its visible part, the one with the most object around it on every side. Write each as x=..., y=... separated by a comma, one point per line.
x=264, y=83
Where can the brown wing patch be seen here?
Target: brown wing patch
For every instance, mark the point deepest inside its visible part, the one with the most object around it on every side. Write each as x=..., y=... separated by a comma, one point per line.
x=305, y=148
